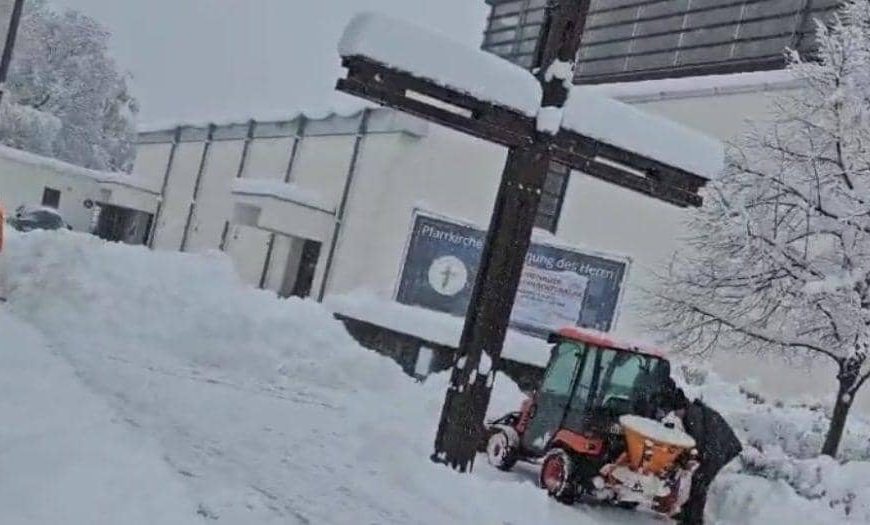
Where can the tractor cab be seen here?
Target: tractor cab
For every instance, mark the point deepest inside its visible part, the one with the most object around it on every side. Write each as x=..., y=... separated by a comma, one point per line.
x=596, y=425
x=589, y=383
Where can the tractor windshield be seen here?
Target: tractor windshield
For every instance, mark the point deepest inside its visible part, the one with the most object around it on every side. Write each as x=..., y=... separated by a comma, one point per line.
x=629, y=382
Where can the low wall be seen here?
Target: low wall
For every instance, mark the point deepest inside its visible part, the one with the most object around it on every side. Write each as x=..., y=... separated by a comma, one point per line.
x=405, y=349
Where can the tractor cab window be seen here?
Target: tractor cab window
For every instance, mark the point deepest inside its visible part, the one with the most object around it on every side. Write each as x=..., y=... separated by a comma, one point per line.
x=560, y=372
x=627, y=382
x=554, y=395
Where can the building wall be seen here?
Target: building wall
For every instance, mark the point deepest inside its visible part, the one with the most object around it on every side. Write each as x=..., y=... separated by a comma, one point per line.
x=24, y=183
x=444, y=172
x=214, y=205
x=449, y=174
x=197, y=216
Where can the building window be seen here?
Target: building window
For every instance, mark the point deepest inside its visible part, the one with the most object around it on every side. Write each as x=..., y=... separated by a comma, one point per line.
x=552, y=197
x=642, y=39
x=513, y=29
x=51, y=198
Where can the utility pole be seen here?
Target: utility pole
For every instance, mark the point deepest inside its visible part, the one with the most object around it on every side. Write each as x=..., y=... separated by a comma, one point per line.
x=9, y=45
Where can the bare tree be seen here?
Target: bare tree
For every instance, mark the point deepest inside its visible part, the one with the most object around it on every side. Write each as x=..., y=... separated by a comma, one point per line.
x=779, y=256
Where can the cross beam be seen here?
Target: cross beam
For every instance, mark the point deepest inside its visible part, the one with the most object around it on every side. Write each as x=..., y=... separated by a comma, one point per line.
x=378, y=83
x=368, y=79
x=530, y=153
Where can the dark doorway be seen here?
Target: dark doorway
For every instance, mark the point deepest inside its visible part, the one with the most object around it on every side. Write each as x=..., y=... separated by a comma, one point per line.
x=51, y=198
x=307, y=267
x=118, y=224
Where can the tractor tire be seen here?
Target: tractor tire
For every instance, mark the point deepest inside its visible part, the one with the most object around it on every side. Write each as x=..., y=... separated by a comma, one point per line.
x=558, y=475
x=500, y=452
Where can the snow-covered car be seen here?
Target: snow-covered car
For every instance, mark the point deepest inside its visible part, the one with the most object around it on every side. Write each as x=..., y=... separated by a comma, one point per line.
x=37, y=218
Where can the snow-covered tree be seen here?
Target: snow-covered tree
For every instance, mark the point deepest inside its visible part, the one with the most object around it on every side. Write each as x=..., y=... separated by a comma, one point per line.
x=779, y=256
x=66, y=97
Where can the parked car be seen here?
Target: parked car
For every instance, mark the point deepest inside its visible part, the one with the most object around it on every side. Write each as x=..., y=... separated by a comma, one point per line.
x=29, y=218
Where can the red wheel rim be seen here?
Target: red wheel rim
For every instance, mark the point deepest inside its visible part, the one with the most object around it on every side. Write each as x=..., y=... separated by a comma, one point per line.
x=553, y=473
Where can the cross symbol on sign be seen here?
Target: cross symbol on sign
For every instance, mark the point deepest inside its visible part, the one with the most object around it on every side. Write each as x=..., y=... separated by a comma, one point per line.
x=448, y=275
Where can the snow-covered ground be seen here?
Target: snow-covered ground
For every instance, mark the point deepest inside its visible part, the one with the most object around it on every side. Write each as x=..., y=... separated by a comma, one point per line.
x=149, y=387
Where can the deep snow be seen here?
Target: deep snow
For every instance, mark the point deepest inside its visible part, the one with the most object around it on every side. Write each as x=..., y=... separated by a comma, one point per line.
x=155, y=387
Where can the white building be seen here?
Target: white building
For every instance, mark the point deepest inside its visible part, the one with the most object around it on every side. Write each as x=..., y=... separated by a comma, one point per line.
x=77, y=193
x=324, y=205
x=352, y=184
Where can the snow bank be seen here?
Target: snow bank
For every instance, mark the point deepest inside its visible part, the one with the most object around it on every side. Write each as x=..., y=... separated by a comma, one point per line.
x=282, y=190
x=591, y=114
x=798, y=429
x=265, y=411
x=65, y=457
x=423, y=53
x=780, y=461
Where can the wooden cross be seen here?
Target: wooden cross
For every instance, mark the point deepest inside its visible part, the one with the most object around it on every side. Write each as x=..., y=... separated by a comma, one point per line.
x=530, y=152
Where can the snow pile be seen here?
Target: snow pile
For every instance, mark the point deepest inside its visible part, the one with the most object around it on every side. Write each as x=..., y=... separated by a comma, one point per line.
x=282, y=190
x=265, y=409
x=63, y=451
x=229, y=404
x=797, y=429
x=429, y=55
x=780, y=459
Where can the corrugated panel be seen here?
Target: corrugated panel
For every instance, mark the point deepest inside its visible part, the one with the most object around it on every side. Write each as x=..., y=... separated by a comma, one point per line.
x=635, y=39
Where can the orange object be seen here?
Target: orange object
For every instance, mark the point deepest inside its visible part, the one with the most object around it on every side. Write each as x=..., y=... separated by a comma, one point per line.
x=589, y=446
x=651, y=446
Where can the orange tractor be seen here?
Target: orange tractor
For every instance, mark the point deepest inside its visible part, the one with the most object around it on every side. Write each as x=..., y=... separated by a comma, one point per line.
x=594, y=426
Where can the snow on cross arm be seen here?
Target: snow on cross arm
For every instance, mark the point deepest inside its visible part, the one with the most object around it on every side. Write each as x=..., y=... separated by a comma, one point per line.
x=593, y=115
x=429, y=55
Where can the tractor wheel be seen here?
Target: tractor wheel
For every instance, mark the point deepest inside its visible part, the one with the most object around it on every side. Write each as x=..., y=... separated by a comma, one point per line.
x=557, y=475
x=500, y=453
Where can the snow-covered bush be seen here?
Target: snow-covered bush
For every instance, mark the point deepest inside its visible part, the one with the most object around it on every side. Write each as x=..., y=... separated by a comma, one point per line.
x=65, y=95
x=779, y=260
x=781, y=443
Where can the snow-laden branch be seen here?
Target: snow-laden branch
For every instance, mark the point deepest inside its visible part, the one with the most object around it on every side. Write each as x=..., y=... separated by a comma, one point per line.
x=779, y=259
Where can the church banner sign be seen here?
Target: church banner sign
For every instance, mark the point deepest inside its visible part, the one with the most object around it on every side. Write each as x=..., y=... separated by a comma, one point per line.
x=560, y=286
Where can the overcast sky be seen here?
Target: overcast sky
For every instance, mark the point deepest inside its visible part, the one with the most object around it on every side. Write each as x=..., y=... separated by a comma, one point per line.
x=195, y=60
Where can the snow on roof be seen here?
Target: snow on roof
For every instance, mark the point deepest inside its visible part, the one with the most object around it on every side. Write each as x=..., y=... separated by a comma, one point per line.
x=427, y=54
x=706, y=85
x=343, y=107
x=594, y=115
x=436, y=327
x=65, y=168
x=283, y=191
